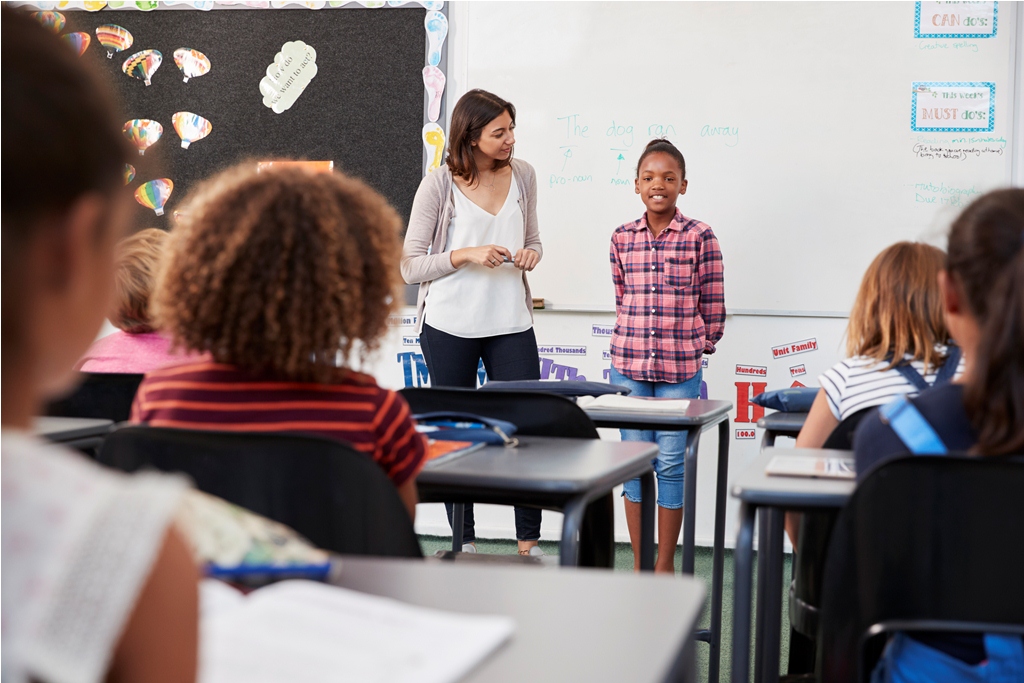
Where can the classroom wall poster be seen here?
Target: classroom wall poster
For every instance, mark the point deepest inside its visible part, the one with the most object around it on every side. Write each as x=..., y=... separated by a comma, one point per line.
x=956, y=19
x=953, y=107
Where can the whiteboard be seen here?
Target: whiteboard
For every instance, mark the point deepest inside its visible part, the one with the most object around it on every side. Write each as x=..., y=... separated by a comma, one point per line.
x=794, y=118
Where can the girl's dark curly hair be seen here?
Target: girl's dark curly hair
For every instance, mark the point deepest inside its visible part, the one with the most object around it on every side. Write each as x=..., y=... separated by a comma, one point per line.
x=281, y=272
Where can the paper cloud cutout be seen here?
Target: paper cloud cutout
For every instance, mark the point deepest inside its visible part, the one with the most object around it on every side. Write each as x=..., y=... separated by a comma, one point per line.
x=293, y=68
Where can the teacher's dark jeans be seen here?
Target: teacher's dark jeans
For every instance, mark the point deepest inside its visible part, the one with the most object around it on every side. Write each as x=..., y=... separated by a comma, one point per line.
x=453, y=361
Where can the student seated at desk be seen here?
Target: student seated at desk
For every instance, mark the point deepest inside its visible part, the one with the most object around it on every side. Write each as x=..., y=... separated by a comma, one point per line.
x=275, y=276
x=897, y=315
x=98, y=584
x=982, y=412
x=136, y=348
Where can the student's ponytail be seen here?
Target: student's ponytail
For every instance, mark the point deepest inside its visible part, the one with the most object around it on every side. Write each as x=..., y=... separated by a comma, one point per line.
x=986, y=260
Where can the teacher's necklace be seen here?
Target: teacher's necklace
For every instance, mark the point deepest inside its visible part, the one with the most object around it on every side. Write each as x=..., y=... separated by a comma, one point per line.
x=491, y=186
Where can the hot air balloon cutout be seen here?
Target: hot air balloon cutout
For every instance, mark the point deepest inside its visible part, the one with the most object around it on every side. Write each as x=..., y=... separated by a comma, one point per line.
x=79, y=42
x=192, y=63
x=52, y=20
x=143, y=133
x=129, y=173
x=113, y=37
x=190, y=127
x=143, y=65
x=154, y=194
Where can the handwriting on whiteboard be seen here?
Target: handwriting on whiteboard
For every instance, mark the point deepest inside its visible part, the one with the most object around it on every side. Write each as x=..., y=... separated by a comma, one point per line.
x=729, y=134
x=593, y=150
x=943, y=194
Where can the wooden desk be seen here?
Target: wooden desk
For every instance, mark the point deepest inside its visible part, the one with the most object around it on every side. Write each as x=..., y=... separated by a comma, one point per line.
x=699, y=415
x=774, y=495
x=573, y=476
x=571, y=624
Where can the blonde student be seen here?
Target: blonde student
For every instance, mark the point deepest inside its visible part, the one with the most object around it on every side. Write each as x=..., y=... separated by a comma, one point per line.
x=670, y=312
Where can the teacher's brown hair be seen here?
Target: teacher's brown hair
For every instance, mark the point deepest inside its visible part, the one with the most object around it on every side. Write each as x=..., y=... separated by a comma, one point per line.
x=472, y=113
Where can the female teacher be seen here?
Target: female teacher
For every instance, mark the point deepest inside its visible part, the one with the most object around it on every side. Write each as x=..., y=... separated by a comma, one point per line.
x=472, y=238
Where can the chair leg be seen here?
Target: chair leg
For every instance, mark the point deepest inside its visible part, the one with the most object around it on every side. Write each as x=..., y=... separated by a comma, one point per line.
x=597, y=538
x=458, y=522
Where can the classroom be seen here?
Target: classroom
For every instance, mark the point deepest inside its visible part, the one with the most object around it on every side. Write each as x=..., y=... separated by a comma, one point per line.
x=702, y=321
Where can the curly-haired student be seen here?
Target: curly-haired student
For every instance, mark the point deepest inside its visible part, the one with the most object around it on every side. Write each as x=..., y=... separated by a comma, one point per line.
x=281, y=278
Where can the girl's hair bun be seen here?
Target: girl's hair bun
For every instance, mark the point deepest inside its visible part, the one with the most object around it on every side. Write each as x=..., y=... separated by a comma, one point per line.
x=662, y=145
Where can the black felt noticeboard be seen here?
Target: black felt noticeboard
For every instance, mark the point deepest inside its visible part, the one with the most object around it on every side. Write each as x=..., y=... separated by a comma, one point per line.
x=363, y=109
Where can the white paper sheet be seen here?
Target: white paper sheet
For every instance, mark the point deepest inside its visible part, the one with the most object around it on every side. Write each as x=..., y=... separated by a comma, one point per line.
x=633, y=403
x=307, y=631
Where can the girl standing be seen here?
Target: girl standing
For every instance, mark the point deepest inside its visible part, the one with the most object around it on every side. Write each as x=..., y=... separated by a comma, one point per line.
x=669, y=312
x=472, y=238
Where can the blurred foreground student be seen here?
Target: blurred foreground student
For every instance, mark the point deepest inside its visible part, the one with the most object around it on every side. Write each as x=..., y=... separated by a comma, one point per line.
x=136, y=348
x=97, y=584
x=283, y=278
x=982, y=412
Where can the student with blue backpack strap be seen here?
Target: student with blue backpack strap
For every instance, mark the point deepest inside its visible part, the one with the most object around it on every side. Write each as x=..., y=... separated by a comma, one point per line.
x=981, y=413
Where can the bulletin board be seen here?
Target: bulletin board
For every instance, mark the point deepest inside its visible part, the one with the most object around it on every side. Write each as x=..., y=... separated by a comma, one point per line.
x=363, y=110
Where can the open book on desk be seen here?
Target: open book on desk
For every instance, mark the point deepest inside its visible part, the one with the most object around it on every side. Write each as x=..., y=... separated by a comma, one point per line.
x=312, y=632
x=639, y=404
x=811, y=466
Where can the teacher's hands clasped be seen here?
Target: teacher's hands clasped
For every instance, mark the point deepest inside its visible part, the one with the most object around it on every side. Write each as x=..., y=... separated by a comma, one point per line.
x=493, y=255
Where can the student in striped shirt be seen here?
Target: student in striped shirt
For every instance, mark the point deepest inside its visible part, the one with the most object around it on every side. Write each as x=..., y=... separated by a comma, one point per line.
x=280, y=278
x=896, y=320
x=669, y=313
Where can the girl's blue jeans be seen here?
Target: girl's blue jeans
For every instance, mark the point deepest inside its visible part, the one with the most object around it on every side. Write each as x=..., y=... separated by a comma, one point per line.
x=669, y=465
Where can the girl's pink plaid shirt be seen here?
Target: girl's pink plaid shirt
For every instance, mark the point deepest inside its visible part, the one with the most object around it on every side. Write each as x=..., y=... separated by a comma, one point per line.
x=669, y=299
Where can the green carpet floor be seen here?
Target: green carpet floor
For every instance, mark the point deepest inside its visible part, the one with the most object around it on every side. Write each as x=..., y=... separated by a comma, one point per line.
x=624, y=563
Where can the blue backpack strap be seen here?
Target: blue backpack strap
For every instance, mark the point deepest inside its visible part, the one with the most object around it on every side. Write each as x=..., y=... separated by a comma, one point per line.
x=948, y=369
x=912, y=376
x=911, y=427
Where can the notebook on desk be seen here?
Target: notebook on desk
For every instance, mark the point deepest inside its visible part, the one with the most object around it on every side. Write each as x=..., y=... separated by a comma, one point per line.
x=637, y=404
x=811, y=466
x=305, y=631
x=446, y=451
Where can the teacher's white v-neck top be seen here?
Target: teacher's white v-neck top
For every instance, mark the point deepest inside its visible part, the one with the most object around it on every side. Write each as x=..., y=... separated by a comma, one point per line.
x=476, y=301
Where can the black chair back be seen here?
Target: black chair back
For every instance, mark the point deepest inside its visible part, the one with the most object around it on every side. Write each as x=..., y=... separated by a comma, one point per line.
x=923, y=539
x=106, y=396
x=841, y=437
x=534, y=413
x=336, y=497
